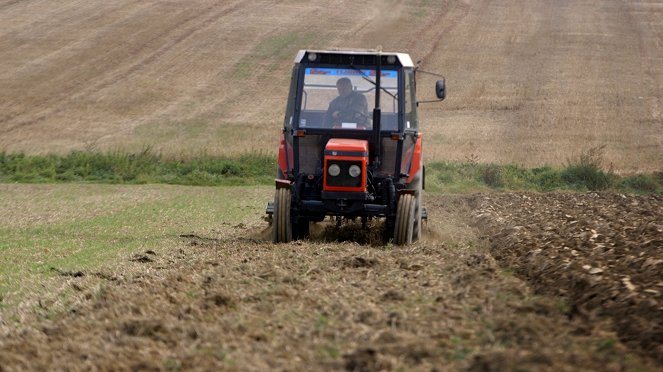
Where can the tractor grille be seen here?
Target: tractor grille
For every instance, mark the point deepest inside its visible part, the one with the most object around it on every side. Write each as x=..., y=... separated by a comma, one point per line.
x=344, y=179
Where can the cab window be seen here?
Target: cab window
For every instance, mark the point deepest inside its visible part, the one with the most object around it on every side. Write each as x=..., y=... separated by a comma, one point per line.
x=344, y=98
x=410, y=101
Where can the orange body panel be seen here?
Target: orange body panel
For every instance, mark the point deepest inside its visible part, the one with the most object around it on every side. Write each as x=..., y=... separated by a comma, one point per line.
x=346, y=150
x=282, y=156
x=347, y=145
x=416, y=160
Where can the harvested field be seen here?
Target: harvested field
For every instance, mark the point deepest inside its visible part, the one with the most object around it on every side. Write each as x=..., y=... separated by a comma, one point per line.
x=530, y=82
x=454, y=301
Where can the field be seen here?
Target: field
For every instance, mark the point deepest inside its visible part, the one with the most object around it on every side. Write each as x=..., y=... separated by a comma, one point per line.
x=194, y=286
x=530, y=82
x=168, y=277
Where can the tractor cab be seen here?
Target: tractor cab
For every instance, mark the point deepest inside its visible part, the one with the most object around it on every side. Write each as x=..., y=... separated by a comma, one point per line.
x=351, y=145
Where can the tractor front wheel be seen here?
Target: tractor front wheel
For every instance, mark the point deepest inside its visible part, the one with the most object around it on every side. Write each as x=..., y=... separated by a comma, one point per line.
x=281, y=224
x=405, y=219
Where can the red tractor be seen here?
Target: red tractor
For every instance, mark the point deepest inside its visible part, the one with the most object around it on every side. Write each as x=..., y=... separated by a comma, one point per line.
x=351, y=146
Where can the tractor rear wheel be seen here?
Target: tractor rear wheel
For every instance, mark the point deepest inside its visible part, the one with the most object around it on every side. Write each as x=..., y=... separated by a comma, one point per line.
x=281, y=224
x=405, y=219
x=416, y=235
x=418, y=186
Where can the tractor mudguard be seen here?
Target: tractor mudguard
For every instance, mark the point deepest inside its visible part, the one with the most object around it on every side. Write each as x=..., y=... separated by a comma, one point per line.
x=284, y=162
x=416, y=160
x=282, y=184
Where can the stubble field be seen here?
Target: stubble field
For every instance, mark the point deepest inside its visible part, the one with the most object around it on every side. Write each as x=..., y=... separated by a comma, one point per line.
x=530, y=82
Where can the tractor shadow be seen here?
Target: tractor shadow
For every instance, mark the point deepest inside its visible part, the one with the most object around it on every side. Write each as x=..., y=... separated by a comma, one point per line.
x=349, y=231
x=329, y=231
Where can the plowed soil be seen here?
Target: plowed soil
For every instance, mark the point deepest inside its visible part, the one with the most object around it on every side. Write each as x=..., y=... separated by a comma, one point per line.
x=602, y=252
x=529, y=281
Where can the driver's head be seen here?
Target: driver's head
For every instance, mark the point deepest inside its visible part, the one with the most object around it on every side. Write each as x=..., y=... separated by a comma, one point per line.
x=344, y=86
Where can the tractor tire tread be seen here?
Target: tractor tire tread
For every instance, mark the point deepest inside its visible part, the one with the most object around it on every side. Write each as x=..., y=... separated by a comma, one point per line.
x=405, y=220
x=282, y=226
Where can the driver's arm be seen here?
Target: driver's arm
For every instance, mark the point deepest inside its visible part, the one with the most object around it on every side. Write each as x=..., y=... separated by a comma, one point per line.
x=359, y=104
x=329, y=115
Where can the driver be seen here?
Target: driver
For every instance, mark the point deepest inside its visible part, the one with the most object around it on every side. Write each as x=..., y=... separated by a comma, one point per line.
x=349, y=106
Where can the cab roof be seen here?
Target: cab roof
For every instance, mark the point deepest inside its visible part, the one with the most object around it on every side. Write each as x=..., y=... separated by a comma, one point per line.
x=353, y=56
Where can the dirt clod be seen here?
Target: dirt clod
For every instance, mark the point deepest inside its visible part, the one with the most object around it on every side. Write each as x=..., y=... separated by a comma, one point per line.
x=220, y=300
x=358, y=261
x=362, y=360
x=392, y=295
x=73, y=274
x=143, y=327
x=142, y=258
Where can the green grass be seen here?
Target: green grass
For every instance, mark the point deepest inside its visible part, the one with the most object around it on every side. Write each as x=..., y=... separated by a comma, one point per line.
x=474, y=177
x=583, y=173
x=258, y=168
x=139, y=168
x=92, y=225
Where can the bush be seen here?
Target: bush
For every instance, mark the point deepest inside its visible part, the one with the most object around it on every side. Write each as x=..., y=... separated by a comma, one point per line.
x=640, y=183
x=587, y=176
x=491, y=175
x=658, y=176
x=586, y=171
x=547, y=178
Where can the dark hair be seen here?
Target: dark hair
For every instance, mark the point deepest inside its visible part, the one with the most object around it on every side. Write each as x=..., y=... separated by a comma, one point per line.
x=343, y=80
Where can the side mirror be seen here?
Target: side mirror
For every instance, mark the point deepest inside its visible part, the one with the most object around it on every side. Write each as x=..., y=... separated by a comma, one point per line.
x=440, y=89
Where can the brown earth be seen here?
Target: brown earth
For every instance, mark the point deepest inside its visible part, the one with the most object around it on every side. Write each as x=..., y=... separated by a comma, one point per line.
x=602, y=252
x=530, y=82
x=498, y=283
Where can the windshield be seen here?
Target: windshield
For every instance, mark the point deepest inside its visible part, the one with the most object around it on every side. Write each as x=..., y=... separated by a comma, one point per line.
x=344, y=98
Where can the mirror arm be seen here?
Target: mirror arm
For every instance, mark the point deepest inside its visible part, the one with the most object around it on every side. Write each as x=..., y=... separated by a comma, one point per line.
x=430, y=73
x=436, y=100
